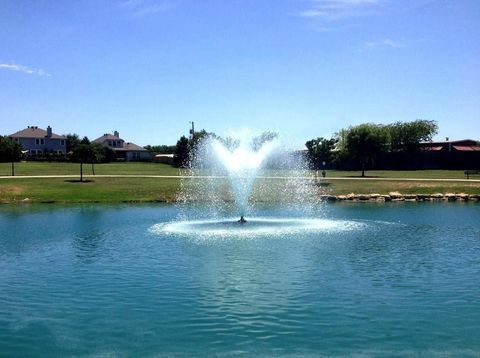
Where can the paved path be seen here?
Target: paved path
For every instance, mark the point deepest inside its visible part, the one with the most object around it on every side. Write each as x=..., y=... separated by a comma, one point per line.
x=223, y=177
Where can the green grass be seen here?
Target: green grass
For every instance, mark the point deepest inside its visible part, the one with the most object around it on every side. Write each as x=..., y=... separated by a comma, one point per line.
x=339, y=187
x=67, y=168
x=114, y=190
x=404, y=174
x=97, y=190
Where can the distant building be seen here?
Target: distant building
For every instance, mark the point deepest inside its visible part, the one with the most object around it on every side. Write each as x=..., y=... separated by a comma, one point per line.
x=454, y=155
x=464, y=145
x=124, y=150
x=164, y=158
x=39, y=142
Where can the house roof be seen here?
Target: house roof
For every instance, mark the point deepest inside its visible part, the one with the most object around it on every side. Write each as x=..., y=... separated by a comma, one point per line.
x=34, y=132
x=130, y=147
x=465, y=148
x=106, y=136
x=433, y=149
x=127, y=146
x=452, y=142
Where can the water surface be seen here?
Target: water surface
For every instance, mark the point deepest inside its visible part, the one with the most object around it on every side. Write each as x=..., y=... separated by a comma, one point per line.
x=367, y=279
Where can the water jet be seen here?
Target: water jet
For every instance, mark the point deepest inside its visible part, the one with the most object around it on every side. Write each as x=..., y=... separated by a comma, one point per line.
x=234, y=176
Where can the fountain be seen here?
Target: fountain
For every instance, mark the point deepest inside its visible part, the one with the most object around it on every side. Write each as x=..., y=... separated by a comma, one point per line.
x=245, y=177
x=242, y=161
x=239, y=174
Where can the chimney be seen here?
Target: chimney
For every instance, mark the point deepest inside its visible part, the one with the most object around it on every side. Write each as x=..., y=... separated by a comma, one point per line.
x=49, y=132
x=115, y=133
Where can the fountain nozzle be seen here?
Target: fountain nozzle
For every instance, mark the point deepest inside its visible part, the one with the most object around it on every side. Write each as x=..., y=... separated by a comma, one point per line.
x=242, y=220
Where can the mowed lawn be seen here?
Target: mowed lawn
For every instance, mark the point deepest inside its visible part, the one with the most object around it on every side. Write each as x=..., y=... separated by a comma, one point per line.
x=138, y=189
x=119, y=168
x=111, y=190
x=67, y=168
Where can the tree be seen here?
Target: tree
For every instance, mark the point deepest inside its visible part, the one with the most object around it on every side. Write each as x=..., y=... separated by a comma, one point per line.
x=259, y=141
x=320, y=150
x=407, y=136
x=180, y=159
x=10, y=151
x=83, y=153
x=186, y=147
x=366, y=142
x=72, y=140
x=161, y=149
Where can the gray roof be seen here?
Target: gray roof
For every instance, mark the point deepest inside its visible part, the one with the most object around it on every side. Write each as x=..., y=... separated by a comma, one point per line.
x=34, y=132
x=106, y=136
x=131, y=147
x=127, y=146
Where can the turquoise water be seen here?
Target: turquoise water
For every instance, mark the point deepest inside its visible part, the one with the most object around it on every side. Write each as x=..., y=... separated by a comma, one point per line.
x=367, y=279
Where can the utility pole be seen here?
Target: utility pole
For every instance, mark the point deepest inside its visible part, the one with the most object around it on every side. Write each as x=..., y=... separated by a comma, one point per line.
x=192, y=130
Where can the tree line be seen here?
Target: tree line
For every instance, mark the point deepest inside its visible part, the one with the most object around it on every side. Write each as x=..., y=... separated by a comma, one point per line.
x=366, y=143
x=363, y=144
x=185, y=147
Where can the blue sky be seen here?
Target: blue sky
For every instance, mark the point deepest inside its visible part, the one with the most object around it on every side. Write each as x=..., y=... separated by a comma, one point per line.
x=304, y=68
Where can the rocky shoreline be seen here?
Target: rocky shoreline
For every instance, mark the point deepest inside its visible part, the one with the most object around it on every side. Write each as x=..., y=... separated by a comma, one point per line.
x=398, y=197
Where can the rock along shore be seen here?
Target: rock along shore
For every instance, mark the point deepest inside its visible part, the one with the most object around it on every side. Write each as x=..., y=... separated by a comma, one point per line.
x=396, y=196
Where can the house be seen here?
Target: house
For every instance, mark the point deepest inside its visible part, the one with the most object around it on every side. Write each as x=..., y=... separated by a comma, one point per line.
x=464, y=145
x=39, y=142
x=453, y=155
x=124, y=150
x=164, y=158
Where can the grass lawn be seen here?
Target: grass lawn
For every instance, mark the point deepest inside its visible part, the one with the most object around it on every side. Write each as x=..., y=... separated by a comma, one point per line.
x=339, y=187
x=99, y=189
x=122, y=168
x=67, y=168
x=96, y=190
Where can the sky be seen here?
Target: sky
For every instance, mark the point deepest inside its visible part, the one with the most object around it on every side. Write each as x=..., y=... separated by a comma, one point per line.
x=302, y=68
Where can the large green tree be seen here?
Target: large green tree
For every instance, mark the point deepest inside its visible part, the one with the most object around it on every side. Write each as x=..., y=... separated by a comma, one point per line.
x=320, y=150
x=10, y=151
x=260, y=140
x=161, y=149
x=365, y=143
x=181, y=157
x=406, y=136
x=72, y=140
x=186, y=147
x=82, y=153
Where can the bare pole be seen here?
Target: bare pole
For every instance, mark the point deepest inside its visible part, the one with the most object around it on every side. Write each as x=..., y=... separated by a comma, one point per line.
x=192, y=130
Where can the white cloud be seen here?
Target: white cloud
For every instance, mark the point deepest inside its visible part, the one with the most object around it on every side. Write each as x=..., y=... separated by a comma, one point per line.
x=145, y=7
x=24, y=69
x=335, y=10
x=383, y=43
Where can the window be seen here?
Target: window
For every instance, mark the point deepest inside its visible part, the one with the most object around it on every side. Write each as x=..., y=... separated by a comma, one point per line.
x=39, y=141
x=110, y=143
x=119, y=143
x=62, y=142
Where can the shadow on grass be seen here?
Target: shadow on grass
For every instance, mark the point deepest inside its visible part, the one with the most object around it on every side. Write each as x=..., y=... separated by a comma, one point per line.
x=79, y=181
x=366, y=176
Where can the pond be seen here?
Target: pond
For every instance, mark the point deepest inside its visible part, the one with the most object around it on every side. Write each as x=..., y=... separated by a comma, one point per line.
x=349, y=279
